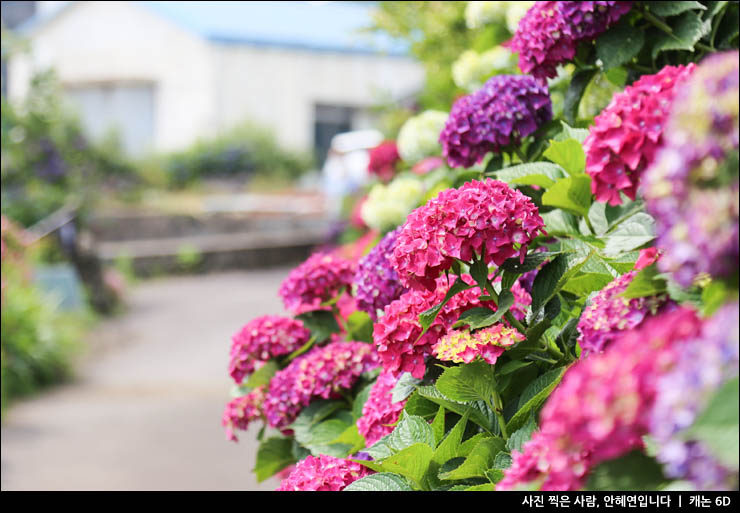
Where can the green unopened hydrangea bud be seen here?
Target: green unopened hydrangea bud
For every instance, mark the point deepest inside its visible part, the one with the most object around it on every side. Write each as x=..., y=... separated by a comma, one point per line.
x=388, y=205
x=419, y=136
x=472, y=69
x=478, y=14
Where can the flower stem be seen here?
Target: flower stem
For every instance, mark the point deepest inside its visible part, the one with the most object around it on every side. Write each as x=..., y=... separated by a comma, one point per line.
x=657, y=22
x=498, y=409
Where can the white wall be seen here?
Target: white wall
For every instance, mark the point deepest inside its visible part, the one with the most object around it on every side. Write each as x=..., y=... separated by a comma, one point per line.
x=279, y=87
x=94, y=42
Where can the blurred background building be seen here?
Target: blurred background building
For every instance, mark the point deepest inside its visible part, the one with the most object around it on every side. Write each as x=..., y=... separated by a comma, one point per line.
x=163, y=74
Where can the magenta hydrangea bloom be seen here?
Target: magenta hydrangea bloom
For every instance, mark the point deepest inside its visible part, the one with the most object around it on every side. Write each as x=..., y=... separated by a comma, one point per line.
x=396, y=332
x=318, y=279
x=379, y=414
x=692, y=187
x=602, y=408
x=376, y=282
x=462, y=346
x=548, y=35
x=323, y=474
x=481, y=217
x=501, y=113
x=609, y=314
x=320, y=373
x=706, y=363
x=262, y=339
x=239, y=412
x=383, y=159
x=624, y=138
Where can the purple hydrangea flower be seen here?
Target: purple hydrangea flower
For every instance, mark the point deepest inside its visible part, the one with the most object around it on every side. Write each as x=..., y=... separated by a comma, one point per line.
x=692, y=186
x=506, y=109
x=705, y=364
x=549, y=33
x=376, y=281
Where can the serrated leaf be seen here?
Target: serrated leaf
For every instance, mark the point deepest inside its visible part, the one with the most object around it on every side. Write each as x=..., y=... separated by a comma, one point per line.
x=379, y=482
x=480, y=415
x=586, y=283
x=465, y=383
x=597, y=217
x=438, y=426
x=568, y=132
x=479, y=461
x=448, y=447
x=420, y=406
x=521, y=435
x=510, y=367
x=481, y=317
x=688, y=29
x=380, y=449
x=412, y=462
x=568, y=154
x=320, y=323
x=560, y=222
x=673, y=8
x=645, y=283
x=531, y=262
x=350, y=437
x=572, y=194
x=633, y=472
x=502, y=460
x=411, y=430
x=534, y=396
x=404, y=387
x=546, y=281
x=717, y=425
x=542, y=174
x=619, y=45
x=273, y=455
x=636, y=231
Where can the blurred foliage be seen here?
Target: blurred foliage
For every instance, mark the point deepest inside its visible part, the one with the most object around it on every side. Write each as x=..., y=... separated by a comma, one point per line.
x=245, y=151
x=37, y=342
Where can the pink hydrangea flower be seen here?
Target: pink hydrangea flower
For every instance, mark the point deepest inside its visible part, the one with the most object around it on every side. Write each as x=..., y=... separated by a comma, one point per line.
x=320, y=373
x=462, y=346
x=383, y=159
x=624, y=138
x=262, y=339
x=379, y=414
x=602, y=408
x=487, y=218
x=323, y=474
x=396, y=334
x=609, y=314
x=550, y=32
x=320, y=278
x=647, y=258
x=239, y=412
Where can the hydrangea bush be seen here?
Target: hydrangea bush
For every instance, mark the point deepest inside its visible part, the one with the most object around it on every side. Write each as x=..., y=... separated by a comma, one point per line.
x=558, y=308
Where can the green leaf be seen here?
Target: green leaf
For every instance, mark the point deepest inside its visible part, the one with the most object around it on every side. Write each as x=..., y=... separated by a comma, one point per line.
x=321, y=323
x=546, y=282
x=508, y=279
x=426, y=318
x=379, y=482
x=617, y=76
x=560, y=222
x=411, y=430
x=448, y=447
x=521, y=435
x=688, y=29
x=360, y=400
x=464, y=383
x=573, y=94
x=531, y=262
x=479, y=461
x=412, y=462
x=568, y=154
x=534, y=396
x=494, y=163
x=542, y=174
x=619, y=45
x=633, y=472
x=584, y=284
x=503, y=460
x=351, y=438
x=420, y=406
x=673, y=8
x=713, y=296
x=597, y=216
x=568, y=132
x=404, y=387
x=637, y=231
x=360, y=326
x=486, y=487
x=510, y=367
x=263, y=375
x=717, y=425
x=479, y=272
x=480, y=415
x=380, y=449
x=481, y=317
x=273, y=455
x=572, y=194
x=311, y=416
x=645, y=283
x=438, y=426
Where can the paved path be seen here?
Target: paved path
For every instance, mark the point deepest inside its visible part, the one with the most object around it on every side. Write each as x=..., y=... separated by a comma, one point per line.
x=145, y=411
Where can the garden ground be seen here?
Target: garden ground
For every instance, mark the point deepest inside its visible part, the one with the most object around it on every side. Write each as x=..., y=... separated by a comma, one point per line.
x=144, y=411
